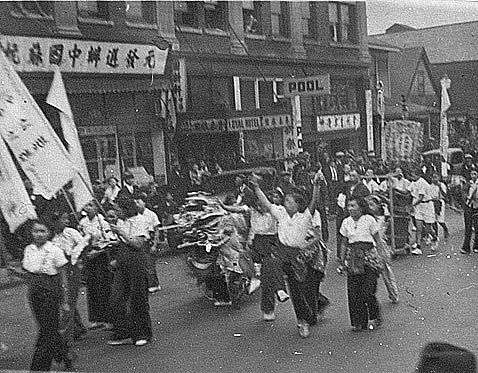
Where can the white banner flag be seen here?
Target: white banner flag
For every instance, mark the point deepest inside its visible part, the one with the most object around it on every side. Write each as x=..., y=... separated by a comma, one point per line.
x=14, y=200
x=30, y=136
x=57, y=98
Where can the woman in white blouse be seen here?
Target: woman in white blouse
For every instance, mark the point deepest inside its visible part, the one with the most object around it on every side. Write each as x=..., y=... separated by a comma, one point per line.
x=47, y=293
x=294, y=225
x=361, y=239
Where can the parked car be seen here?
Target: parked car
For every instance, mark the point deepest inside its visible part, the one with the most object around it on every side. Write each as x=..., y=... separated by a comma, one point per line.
x=455, y=158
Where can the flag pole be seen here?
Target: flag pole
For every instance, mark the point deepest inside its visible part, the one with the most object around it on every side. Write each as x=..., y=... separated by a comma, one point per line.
x=70, y=205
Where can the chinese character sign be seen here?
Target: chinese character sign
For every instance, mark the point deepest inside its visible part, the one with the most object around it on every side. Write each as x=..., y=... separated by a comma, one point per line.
x=338, y=122
x=42, y=54
x=403, y=140
x=30, y=137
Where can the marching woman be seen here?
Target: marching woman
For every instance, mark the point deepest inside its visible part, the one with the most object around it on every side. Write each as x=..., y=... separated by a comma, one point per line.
x=72, y=243
x=99, y=279
x=361, y=239
x=45, y=265
x=294, y=224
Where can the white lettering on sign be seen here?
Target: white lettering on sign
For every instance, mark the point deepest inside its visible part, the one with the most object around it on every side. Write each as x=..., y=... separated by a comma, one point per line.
x=236, y=124
x=42, y=54
x=307, y=86
x=338, y=122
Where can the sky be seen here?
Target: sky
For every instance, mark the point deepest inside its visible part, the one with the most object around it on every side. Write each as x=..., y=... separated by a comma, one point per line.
x=382, y=14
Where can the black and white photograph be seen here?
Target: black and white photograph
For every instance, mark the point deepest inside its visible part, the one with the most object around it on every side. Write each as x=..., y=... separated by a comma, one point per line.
x=239, y=186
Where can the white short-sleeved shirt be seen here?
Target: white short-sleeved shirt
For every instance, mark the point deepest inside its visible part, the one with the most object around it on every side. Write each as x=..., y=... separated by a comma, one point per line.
x=420, y=187
x=263, y=223
x=71, y=242
x=292, y=231
x=361, y=230
x=371, y=185
x=137, y=226
x=152, y=219
x=95, y=228
x=46, y=259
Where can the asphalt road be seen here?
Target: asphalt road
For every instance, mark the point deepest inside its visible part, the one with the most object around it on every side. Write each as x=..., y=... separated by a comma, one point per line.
x=439, y=294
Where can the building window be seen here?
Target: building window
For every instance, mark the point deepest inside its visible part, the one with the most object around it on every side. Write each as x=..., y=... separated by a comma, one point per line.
x=421, y=83
x=93, y=9
x=185, y=13
x=280, y=18
x=40, y=9
x=141, y=12
x=251, y=14
x=342, y=98
x=215, y=15
x=257, y=93
x=309, y=19
x=340, y=23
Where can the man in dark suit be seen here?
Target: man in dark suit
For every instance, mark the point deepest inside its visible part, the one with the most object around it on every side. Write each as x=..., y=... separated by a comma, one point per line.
x=354, y=188
x=331, y=174
x=178, y=183
x=129, y=190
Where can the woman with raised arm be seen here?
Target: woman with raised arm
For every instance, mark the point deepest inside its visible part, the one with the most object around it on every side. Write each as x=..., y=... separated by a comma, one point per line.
x=294, y=225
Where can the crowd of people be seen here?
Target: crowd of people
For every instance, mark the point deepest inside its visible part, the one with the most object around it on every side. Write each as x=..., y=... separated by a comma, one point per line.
x=112, y=245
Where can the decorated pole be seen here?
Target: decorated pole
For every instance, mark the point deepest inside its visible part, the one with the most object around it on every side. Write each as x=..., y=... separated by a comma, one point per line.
x=381, y=112
x=445, y=105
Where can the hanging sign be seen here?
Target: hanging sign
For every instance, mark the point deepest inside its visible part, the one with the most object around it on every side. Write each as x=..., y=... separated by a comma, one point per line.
x=338, y=122
x=307, y=86
x=82, y=56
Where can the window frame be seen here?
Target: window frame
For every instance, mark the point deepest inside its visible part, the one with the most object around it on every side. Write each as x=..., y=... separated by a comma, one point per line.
x=337, y=26
x=142, y=21
x=257, y=14
x=237, y=91
x=19, y=11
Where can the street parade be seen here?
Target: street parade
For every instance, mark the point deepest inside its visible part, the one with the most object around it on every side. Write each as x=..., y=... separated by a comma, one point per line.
x=181, y=192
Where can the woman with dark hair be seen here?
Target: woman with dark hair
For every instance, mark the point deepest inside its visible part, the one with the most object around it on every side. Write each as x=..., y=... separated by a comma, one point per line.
x=294, y=225
x=361, y=239
x=47, y=293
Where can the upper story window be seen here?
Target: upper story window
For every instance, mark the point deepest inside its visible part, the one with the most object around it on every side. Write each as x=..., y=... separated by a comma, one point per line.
x=201, y=14
x=252, y=17
x=93, y=9
x=141, y=12
x=257, y=93
x=215, y=15
x=280, y=18
x=186, y=14
x=40, y=9
x=309, y=19
x=342, y=98
x=340, y=23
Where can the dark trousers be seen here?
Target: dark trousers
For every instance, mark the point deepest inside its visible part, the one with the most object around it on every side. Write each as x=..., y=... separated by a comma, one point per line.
x=272, y=275
x=363, y=304
x=98, y=288
x=470, y=223
x=130, y=298
x=151, y=268
x=45, y=305
x=304, y=294
x=71, y=322
x=332, y=196
x=325, y=223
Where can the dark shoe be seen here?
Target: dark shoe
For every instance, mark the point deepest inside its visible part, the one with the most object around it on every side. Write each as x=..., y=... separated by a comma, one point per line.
x=463, y=251
x=324, y=303
x=358, y=329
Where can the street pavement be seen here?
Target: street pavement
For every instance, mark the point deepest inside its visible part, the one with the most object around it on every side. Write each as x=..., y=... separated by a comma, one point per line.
x=438, y=292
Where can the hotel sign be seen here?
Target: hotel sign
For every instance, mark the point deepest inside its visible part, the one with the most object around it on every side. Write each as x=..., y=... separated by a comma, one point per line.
x=235, y=124
x=338, y=122
x=307, y=86
x=42, y=54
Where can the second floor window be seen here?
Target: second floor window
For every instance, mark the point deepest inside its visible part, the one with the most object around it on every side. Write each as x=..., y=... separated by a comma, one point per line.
x=33, y=8
x=141, y=11
x=251, y=14
x=340, y=23
x=201, y=14
x=185, y=13
x=420, y=83
x=342, y=98
x=280, y=18
x=93, y=9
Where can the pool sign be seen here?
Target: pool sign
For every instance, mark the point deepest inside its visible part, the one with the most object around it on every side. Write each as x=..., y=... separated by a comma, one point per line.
x=307, y=86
